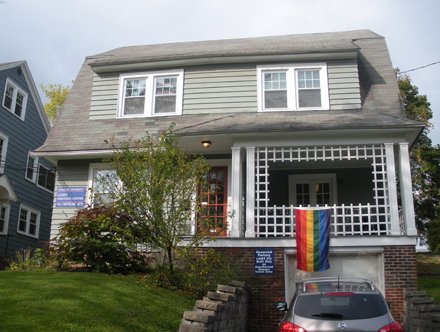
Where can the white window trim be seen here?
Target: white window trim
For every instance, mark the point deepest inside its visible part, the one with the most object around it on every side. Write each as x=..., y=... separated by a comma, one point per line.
x=36, y=175
x=8, y=207
x=291, y=81
x=311, y=178
x=4, y=151
x=14, y=98
x=30, y=210
x=149, y=93
x=35, y=168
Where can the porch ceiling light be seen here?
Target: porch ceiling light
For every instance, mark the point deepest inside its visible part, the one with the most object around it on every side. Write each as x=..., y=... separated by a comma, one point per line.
x=206, y=144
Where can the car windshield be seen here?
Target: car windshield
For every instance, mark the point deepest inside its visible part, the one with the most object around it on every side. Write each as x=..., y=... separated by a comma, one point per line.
x=340, y=306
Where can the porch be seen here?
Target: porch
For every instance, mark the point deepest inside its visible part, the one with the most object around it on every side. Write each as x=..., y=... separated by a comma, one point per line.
x=360, y=183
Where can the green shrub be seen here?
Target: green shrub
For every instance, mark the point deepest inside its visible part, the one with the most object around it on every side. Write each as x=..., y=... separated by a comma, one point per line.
x=204, y=271
x=26, y=260
x=101, y=239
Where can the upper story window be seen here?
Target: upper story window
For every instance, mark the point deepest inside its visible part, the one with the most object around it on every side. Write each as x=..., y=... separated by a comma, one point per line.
x=15, y=99
x=292, y=87
x=3, y=148
x=28, y=222
x=31, y=168
x=151, y=94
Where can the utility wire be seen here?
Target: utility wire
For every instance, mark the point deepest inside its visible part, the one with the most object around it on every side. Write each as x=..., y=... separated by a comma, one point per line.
x=421, y=67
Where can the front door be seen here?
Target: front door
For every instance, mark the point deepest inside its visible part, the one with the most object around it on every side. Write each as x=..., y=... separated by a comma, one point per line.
x=213, y=197
x=312, y=189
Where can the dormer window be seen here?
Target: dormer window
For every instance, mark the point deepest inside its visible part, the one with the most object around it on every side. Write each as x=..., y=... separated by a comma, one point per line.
x=151, y=94
x=14, y=99
x=292, y=87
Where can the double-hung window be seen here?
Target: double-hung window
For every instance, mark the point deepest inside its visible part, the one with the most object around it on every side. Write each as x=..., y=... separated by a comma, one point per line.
x=3, y=148
x=151, y=94
x=4, y=218
x=292, y=87
x=28, y=222
x=15, y=99
x=31, y=168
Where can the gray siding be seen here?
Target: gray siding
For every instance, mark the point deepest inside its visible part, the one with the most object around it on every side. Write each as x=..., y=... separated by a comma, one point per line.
x=23, y=136
x=221, y=90
x=69, y=173
x=104, y=101
x=343, y=85
x=231, y=89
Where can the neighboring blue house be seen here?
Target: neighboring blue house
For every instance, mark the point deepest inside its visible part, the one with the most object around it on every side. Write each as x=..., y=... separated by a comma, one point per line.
x=26, y=181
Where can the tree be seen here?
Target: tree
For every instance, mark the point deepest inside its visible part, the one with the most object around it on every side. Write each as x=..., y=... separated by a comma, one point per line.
x=56, y=93
x=425, y=162
x=156, y=188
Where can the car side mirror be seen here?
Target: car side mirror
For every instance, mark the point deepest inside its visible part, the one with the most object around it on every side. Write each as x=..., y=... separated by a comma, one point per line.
x=281, y=306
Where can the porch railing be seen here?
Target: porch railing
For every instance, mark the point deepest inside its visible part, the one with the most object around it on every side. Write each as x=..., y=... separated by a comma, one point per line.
x=346, y=220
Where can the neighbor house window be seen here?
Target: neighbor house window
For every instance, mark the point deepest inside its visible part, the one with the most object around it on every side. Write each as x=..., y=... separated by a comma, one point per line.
x=3, y=148
x=151, y=94
x=46, y=178
x=292, y=87
x=31, y=168
x=28, y=221
x=4, y=218
x=15, y=99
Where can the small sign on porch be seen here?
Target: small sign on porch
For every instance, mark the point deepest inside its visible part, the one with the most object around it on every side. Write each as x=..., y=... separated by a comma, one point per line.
x=263, y=261
x=70, y=196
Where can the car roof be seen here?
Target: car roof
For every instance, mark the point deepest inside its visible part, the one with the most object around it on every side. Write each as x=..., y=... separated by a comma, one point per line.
x=335, y=284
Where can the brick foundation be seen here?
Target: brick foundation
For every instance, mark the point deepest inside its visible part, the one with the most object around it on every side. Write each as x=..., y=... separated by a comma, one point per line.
x=400, y=276
x=265, y=291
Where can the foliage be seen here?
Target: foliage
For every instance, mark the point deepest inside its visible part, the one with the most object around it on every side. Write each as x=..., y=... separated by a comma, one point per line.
x=197, y=272
x=26, y=260
x=156, y=187
x=205, y=272
x=101, y=239
x=92, y=302
x=425, y=162
x=56, y=93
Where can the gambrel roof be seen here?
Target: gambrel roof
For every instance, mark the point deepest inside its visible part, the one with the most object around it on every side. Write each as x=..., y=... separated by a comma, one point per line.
x=75, y=132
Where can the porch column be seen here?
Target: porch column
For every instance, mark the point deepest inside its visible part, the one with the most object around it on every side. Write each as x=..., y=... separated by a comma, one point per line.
x=250, y=191
x=392, y=189
x=236, y=194
x=406, y=189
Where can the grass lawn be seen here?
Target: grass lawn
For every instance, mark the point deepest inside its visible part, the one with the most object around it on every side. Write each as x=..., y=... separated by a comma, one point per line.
x=428, y=269
x=76, y=301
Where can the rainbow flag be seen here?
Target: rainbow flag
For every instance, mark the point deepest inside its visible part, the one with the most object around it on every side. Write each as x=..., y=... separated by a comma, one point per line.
x=312, y=239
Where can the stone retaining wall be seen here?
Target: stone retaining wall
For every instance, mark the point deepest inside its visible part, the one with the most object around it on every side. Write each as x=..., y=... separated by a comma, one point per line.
x=421, y=314
x=222, y=311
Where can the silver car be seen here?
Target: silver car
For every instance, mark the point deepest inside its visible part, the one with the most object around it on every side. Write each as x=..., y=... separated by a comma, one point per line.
x=337, y=304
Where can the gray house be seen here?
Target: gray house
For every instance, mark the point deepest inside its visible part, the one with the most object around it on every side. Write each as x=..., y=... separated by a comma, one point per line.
x=26, y=181
x=284, y=121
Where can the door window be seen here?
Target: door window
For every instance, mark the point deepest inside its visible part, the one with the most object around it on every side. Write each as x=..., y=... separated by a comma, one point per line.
x=213, y=199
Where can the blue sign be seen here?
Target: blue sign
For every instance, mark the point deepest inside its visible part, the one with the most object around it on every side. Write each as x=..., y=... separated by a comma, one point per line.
x=71, y=197
x=263, y=261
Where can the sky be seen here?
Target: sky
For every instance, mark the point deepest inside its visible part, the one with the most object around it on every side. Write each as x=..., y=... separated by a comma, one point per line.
x=55, y=36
